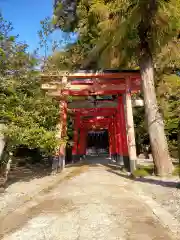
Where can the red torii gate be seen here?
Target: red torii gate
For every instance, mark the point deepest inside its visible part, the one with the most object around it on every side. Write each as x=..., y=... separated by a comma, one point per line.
x=118, y=120
x=106, y=119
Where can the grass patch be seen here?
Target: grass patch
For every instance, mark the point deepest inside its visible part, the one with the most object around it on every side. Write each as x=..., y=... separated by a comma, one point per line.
x=176, y=171
x=144, y=171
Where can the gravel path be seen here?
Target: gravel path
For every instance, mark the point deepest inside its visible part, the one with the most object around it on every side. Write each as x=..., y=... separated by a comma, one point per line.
x=96, y=204
x=164, y=192
x=15, y=192
x=23, y=191
x=161, y=190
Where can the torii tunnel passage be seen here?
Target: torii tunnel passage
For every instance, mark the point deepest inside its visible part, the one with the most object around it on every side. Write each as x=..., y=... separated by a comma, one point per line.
x=99, y=101
x=97, y=142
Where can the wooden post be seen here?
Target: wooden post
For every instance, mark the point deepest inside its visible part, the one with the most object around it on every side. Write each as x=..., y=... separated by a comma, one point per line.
x=123, y=135
x=79, y=144
x=62, y=150
x=85, y=142
x=75, y=137
x=119, y=137
x=110, y=140
x=178, y=142
x=130, y=128
x=2, y=140
x=63, y=130
x=116, y=137
x=113, y=139
x=59, y=158
x=82, y=143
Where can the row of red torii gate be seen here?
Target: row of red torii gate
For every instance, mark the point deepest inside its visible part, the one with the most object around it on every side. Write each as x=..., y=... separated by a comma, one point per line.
x=98, y=100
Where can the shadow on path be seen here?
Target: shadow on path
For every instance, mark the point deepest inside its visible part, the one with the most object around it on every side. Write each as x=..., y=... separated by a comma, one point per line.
x=160, y=182
x=28, y=173
x=113, y=167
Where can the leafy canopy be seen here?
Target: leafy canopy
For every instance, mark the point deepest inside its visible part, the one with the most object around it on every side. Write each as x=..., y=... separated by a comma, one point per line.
x=109, y=31
x=29, y=115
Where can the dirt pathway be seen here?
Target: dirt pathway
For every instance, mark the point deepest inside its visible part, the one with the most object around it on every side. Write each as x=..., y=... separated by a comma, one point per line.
x=95, y=204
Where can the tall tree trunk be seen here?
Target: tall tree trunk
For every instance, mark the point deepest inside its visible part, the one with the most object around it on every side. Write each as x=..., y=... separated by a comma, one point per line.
x=8, y=167
x=154, y=119
x=159, y=146
x=178, y=143
x=5, y=170
x=2, y=140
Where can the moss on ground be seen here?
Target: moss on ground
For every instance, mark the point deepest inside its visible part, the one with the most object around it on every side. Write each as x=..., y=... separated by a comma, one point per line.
x=176, y=171
x=144, y=171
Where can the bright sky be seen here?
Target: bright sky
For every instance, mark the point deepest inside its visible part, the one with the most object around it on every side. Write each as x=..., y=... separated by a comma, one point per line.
x=25, y=16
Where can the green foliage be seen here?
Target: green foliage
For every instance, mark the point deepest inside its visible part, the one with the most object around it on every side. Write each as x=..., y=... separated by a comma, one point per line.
x=29, y=115
x=176, y=171
x=108, y=34
x=74, y=54
x=168, y=92
x=141, y=131
x=65, y=14
x=44, y=35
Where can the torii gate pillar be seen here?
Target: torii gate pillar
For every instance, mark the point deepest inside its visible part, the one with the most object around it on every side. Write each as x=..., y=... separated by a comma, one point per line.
x=112, y=141
x=59, y=157
x=82, y=143
x=62, y=152
x=119, y=129
x=76, y=138
x=130, y=129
